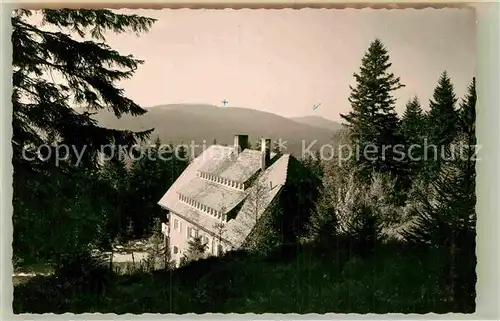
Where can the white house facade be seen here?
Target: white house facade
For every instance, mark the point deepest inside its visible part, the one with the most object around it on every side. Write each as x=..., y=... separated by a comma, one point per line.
x=221, y=195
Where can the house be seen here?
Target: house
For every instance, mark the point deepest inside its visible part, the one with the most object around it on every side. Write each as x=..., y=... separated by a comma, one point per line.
x=221, y=195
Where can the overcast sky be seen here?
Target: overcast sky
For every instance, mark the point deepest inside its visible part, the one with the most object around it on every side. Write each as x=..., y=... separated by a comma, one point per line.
x=286, y=61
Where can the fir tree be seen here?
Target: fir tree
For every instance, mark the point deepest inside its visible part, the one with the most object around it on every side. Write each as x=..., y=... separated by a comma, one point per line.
x=412, y=129
x=373, y=120
x=151, y=176
x=60, y=112
x=413, y=122
x=467, y=114
x=89, y=71
x=196, y=250
x=442, y=123
x=115, y=173
x=446, y=218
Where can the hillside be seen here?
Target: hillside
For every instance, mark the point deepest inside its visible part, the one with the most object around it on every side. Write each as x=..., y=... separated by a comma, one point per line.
x=295, y=280
x=186, y=123
x=318, y=121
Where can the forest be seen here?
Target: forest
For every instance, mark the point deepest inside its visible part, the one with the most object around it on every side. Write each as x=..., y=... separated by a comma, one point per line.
x=393, y=232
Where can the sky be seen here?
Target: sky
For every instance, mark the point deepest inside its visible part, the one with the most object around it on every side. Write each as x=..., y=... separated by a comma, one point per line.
x=287, y=61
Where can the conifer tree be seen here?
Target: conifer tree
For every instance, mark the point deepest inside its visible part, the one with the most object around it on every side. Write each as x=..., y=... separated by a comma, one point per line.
x=151, y=176
x=115, y=173
x=413, y=122
x=373, y=120
x=89, y=70
x=58, y=110
x=412, y=128
x=442, y=123
x=196, y=250
x=467, y=114
x=446, y=218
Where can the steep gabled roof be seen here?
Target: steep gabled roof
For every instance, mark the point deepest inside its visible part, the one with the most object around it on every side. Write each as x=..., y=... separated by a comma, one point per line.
x=213, y=195
x=254, y=200
x=259, y=196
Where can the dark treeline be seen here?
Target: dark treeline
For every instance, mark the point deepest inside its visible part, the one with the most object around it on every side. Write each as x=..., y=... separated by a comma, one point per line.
x=423, y=197
x=377, y=233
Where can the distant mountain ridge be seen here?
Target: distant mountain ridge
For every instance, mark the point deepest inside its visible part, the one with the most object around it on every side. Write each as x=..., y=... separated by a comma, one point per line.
x=184, y=123
x=318, y=121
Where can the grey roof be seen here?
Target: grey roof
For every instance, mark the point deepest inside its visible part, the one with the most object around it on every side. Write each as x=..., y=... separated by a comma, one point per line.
x=213, y=195
x=244, y=167
x=220, y=157
x=235, y=167
x=256, y=199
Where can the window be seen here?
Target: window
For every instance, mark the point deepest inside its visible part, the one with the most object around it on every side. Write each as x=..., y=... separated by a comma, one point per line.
x=204, y=239
x=219, y=249
x=191, y=232
x=176, y=224
x=176, y=250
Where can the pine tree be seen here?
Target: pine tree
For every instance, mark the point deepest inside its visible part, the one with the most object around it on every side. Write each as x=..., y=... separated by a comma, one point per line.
x=151, y=176
x=196, y=250
x=60, y=111
x=467, y=114
x=442, y=122
x=373, y=120
x=413, y=130
x=115, y=173
x=89, y=69
x=446, y=218
x=413, y=122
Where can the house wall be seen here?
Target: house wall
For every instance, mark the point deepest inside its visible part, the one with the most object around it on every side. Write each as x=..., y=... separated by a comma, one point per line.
x=179, y=237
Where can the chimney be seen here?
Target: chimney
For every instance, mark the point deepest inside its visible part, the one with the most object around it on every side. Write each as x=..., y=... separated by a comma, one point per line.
x=265, y=148
x=240, y=143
